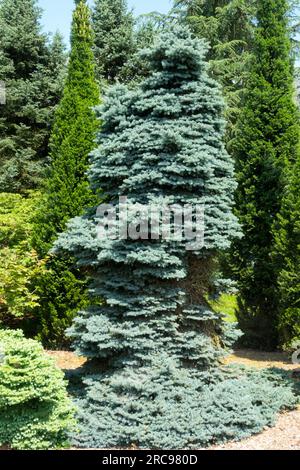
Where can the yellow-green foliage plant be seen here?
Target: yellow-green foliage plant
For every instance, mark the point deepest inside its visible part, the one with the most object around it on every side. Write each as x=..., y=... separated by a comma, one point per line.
x=35, y=410
x=18, y=260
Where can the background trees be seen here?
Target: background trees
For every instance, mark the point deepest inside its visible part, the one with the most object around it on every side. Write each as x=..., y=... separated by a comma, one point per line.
x=30, y=69
x=18, y=260
x=265, y=148
x=228, y=25
x=114, y=37
x=287, y=259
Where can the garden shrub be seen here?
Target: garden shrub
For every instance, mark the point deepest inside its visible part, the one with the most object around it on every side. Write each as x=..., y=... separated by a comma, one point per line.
x=168, y=407
x=35, y=411
x=18, y=260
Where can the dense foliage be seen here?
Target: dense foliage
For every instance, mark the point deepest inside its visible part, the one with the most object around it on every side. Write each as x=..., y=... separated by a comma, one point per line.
x=114, y=37
x=35, y=411
x=18, y=261
x=228, y=25
x=31, y=70
x=287, y=259
x=155, y=341
x=67, y=191
x=265, y=147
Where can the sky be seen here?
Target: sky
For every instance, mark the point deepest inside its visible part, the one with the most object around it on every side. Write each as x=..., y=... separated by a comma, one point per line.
x=58, y=13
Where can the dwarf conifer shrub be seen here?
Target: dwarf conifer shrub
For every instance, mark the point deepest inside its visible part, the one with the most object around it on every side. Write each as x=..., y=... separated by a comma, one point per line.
x=155, y=341
x=35, y=411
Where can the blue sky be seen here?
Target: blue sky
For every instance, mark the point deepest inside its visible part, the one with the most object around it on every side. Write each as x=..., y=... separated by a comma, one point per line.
x=58, y=13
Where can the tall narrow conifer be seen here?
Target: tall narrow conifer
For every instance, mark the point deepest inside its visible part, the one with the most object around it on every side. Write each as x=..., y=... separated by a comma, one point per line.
x=265, y=147
x=67, y=189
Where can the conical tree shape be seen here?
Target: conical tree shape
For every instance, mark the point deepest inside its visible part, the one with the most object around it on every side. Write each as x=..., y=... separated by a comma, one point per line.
x=154, y=339
x=27, y=66
x=287, y=258
x=114, y=40
x=67, y=190
x=265, y=146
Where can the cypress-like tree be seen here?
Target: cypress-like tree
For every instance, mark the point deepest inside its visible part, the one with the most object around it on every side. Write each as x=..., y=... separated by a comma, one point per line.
x=297, y=85
x=30, y=69
x=228, y=25
x=114, y=38
x=154, y=339
x=265, y=146
x=287, y=258
x=67, y=189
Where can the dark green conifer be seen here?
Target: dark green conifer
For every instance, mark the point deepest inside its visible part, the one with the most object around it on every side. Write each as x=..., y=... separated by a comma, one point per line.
x=265, y=147
x=114, y=39
x=31, y=69
x=287, y=259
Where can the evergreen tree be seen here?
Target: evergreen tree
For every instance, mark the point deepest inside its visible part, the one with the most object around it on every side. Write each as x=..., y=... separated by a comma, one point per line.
x=67, y=189
x=27, y=66
x=265, y=146
x=114, y=40
x=287, y=258
x=155, y=341
x=229, y=27
x=147, y=28
x=297, y=85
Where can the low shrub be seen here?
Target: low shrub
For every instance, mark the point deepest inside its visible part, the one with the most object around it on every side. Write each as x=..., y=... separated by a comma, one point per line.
x=35, y=410
x=165, y=407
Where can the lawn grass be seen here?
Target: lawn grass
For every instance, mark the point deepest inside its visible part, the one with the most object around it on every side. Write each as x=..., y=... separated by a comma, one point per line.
x=226, y=304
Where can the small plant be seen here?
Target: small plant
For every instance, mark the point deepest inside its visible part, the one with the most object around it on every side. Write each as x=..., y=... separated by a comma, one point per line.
x=35, y=411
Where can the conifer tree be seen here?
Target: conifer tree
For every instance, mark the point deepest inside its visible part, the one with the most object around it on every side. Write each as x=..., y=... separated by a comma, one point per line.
x=67, y=189
x=154, y=339
x=30, y=69
x=287, y=259
x=265, y=146
x=229, y=27
x=114, y=39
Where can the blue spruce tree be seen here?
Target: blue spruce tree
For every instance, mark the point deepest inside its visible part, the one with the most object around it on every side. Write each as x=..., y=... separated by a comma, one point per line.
x=154, y=343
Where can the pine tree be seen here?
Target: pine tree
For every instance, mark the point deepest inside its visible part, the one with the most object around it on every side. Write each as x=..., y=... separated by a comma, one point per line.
x=154, y=339
x=114, y=40
x=229, y=27
x=32, y=91
x=146, y=29
x=266, y=145
x=67, y=189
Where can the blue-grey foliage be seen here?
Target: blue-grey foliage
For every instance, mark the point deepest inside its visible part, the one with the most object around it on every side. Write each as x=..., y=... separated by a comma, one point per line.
x=154, y=340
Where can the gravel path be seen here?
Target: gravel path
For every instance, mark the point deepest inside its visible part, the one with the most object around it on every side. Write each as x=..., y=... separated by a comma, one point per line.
x=284, y=436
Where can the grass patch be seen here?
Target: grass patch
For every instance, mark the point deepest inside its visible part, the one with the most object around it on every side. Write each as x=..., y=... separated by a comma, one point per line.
x=226, y=304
